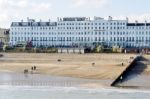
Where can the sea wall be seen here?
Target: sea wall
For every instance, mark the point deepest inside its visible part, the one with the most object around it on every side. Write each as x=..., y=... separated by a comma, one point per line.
x=122, y=76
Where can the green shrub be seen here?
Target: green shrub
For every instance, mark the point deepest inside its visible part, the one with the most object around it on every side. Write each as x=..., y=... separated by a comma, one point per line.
x=29, y=49
x=98, y=49
x=116, y=49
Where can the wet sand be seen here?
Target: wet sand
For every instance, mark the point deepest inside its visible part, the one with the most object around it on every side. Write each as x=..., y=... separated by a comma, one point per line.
x=19, y=79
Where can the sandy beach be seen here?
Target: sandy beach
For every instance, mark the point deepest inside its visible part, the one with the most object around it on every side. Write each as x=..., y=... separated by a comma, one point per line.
x=90, y=66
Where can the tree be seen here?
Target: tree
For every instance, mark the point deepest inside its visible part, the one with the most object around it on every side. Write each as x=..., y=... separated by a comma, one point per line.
x=4, y=47
x=24, y=48
x=98, y=48
x=29, y=44
x=116, y=49
x=35, y=49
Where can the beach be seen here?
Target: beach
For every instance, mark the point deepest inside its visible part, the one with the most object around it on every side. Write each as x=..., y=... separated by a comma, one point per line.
x=75, y=76
x=103, y=67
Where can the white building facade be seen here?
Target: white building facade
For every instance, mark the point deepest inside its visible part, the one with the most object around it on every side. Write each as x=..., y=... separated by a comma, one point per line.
x=81, y=32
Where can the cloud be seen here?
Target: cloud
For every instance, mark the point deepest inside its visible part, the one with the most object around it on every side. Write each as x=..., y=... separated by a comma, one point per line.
x=17, y=9
x=14, y=10
x=7, y=4
x=25, y=5
x=140, y=18
x=89, y=3
x=43, y=7
x=134, y=17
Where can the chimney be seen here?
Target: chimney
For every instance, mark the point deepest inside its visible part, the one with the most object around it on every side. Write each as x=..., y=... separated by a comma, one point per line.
x=57, y=18
x=145, y=22
x=127, y=19
x=28, y=19
x=110, y=18
x=136, y=21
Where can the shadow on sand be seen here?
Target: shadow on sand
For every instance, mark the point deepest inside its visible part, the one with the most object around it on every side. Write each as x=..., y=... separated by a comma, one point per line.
x=136, y=70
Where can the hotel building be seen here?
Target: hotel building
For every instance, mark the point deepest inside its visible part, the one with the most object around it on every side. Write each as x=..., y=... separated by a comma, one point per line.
x=81, y=32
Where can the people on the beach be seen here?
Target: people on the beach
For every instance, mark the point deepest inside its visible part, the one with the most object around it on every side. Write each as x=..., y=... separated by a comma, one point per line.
x=25, y=71
x=33, y=68
x=59, y=60
x=1, y=55
x=121, y=78
x=93, y=64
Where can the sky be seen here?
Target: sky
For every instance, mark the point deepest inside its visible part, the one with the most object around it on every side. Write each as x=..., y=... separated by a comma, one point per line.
x=17, y=10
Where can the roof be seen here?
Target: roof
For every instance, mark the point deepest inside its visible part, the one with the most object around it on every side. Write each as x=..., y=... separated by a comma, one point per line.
x=138, y=24
x=34, y=24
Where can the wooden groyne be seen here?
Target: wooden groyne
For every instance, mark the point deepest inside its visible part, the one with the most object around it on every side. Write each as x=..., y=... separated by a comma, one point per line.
x=122, y=76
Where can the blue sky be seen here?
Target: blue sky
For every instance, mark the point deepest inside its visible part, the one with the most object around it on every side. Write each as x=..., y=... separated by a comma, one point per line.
x=16, y=10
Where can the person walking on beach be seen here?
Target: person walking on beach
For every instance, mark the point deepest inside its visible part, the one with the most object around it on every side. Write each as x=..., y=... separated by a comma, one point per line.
x=34, y=67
